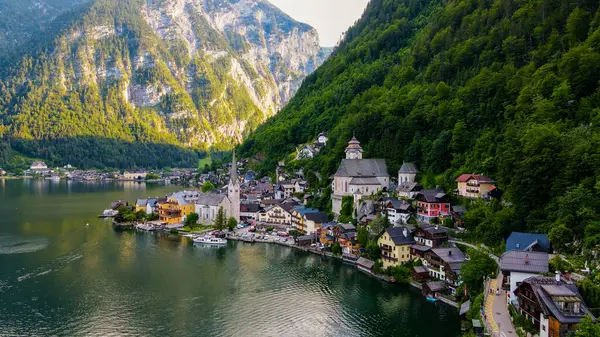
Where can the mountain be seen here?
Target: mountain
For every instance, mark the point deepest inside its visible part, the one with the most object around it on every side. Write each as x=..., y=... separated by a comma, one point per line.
x=509, y=89
x=196, y=74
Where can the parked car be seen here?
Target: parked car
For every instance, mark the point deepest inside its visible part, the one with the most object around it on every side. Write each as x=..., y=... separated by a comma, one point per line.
x=284, y=235
x=252, y=229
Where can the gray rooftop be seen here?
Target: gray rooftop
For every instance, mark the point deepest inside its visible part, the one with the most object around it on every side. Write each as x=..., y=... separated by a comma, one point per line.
x=210, y=199
x=408, y=168
x=362, y=168
x=525, y=262
x=365, y=263
x=397, y=234
x=364, y=181
x=450, y=255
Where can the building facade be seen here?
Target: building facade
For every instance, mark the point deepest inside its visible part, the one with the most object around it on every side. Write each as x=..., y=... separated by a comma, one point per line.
x=395, y=246
x=474, y=186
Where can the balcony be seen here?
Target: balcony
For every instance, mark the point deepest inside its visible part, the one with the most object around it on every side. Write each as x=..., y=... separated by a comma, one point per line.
x=473, y=183
x=472, y=190
x=386, y=248
x=389, y=258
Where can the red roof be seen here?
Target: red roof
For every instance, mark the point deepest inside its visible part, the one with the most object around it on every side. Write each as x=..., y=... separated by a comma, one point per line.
x=466, y=177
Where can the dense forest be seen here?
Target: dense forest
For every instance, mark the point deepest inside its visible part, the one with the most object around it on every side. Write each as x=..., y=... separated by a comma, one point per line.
x=506, y=88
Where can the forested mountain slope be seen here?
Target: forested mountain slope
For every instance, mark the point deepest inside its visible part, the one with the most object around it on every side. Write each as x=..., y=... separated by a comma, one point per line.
x=507, y=88
x=194, y=74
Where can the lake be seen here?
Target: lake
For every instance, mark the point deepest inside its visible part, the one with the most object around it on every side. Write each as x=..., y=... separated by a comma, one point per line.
x=59, y=276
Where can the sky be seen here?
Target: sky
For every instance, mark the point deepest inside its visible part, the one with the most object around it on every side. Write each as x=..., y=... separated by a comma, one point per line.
x=329, y=17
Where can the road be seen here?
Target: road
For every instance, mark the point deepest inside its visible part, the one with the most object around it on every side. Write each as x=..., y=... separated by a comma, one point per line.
x=496, y=307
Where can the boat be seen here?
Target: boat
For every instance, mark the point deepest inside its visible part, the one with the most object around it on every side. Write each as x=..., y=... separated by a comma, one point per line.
x=145, y=227
x=210, y=241
x=109, y=213
x=431, y=299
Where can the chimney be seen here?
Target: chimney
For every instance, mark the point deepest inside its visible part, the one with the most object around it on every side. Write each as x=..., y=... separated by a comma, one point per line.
x=449, y=253
x=557, y=276
x=527, y=259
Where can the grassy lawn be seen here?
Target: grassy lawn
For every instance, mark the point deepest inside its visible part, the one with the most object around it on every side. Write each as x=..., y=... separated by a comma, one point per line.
x=205, y=161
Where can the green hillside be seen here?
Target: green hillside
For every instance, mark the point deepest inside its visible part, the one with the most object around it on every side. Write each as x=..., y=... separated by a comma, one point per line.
x=507, y=88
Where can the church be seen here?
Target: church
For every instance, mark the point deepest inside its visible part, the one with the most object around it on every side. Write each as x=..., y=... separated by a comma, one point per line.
x=357, y=176
x=207, y=205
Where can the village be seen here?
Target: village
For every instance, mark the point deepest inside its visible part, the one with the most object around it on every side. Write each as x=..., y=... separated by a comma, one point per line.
x=396, y=231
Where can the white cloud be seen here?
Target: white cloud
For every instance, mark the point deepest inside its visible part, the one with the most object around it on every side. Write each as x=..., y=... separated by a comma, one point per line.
x=330, y=17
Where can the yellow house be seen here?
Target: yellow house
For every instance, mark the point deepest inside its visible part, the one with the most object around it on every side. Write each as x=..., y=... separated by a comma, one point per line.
x=474, y=186
x=175, y=209
x=140, y=205
x=395, y=246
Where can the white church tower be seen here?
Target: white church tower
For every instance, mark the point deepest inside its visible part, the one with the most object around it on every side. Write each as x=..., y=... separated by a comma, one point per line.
x=407, y=173
x=233, y=191
x=354, y=151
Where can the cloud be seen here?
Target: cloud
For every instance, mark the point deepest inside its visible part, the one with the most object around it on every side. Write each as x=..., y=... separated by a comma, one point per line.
x=331, y=18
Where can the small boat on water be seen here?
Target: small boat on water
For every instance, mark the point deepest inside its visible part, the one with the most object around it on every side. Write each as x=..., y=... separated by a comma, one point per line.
x=431, y=299
x=109, y=213
x=145, y=227
x=210, y=241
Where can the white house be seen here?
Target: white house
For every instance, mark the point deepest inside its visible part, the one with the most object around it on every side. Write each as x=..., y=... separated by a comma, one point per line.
x=322, y=139
x=357, y=176
x=276, y=214
x=516, y=266
x=407, y=185
x=398, y=211
x=39, y=167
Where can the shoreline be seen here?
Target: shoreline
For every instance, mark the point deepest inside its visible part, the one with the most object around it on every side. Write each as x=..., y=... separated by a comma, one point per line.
x=383, y=278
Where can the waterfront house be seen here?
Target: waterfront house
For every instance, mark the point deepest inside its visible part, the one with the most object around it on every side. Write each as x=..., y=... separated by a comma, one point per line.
x=39, y=167
x=365, y=265
x=313, y=221
x=517, y=265
x=444, y=264
x=434, y=288
x=307, y=240
x=141, y=175
x=395, y=244
x=552, y=304
x=420, y=273
x=298, y=219
x=276, y=214
x=398, y=211
x=175, y=209
x=249, y=211
x=357, y=176
x=531, y=242
x=474, y=186
x=140, y=205
x=327, y=236
x=432, y=204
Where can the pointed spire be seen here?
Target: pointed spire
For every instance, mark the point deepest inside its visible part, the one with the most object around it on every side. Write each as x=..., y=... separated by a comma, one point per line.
x=233, y=177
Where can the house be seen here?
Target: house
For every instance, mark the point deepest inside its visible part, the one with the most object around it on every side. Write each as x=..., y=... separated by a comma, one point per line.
x=276, y=214
x=346, y=236
x=307, y=240
x=134, y=175
x=444, y=264
x=140, y=205
x=365, y=265
x=39, y=167
x=474, y=186
x=408, y=190
x=298, y=220
x=432, y=204
x=249, y=211
x=322, y=138
x=306, y=151
x=357, y=176
x=432, y=236
x=152, y=205
x=517, y=265
x=175, y=209
x=398, y=211
x=395, y=246
x=420, y=273
x=528, y=242
x=327, y=237
x=552, y=304
x=457, y=214
x=313, y=221
x=433, y=288
x=284, y=190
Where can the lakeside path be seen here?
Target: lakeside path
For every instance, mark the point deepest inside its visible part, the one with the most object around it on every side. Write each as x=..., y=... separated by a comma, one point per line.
x=496, y=307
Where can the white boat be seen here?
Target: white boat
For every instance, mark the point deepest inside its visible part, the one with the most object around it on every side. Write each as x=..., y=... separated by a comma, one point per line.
x=210, y=241
x=145, y=227
x=109, y=213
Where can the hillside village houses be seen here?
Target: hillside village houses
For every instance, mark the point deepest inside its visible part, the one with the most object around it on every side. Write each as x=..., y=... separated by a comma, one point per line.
x=357, y=176
x=474, y=186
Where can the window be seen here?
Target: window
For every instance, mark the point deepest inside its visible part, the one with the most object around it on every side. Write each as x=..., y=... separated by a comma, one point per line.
x=543, y=328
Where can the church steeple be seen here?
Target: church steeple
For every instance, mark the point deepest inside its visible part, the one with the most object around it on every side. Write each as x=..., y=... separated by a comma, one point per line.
x=233, y=175
x=354, y=151
x=233, y=191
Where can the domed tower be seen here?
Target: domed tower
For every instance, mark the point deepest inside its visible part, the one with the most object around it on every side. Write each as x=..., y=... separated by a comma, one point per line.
x=354, y=151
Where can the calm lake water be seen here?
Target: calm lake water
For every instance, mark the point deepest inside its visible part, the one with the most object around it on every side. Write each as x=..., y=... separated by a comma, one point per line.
x=61, y=277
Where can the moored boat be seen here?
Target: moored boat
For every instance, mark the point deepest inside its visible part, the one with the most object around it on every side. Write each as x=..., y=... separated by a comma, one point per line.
x=109, y=213
x=210, y=241
x=145, y=227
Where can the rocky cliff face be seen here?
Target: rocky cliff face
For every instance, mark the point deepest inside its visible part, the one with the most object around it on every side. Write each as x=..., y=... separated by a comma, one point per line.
x=195, y=72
